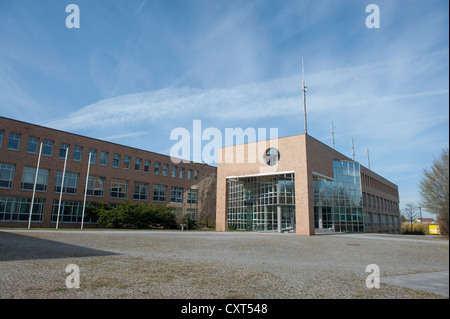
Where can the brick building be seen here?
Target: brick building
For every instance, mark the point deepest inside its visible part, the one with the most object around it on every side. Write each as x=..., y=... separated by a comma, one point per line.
x=116, y=173
x=299, y=184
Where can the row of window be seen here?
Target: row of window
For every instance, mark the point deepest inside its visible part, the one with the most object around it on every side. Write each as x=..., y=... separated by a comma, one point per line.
x=117, y=161
x=380, y=220
x=18, y=209
x=96, y=185
x=379, y=203
x=376, y=184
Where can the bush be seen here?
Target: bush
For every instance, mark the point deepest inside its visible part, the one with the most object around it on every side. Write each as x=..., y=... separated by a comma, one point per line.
x=132, y=215
x=417, y=229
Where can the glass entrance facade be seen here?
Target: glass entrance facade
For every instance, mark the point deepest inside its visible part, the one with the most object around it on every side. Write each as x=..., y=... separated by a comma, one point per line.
x=338, y=204
x=260, y=203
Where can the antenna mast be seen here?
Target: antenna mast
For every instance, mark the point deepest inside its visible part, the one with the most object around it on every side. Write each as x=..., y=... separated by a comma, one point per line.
x=332, y=134
x=304, y=100
x=353, y=150
x=368, y=158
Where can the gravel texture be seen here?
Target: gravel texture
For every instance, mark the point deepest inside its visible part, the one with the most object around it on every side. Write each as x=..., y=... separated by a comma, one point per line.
x=211, y=265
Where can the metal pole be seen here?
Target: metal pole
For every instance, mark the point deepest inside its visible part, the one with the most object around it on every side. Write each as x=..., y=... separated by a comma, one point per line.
x=368, y=159
x=332, y=134
x=62, y=186
x=34, y=186
x=353, y=150
x=279, y=218
x=85, y=190
x=304, y=100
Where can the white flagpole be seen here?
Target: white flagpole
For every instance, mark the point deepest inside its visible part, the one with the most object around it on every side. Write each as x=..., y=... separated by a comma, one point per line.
x=85, y=189
x=62, y=187
x=34, y=186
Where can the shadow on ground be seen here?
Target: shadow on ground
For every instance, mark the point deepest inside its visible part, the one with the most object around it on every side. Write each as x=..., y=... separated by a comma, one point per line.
x=19, y=247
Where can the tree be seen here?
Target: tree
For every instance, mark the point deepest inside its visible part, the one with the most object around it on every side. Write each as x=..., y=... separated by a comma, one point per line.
x=207, y=200
x=434, y=189
x=410, y=214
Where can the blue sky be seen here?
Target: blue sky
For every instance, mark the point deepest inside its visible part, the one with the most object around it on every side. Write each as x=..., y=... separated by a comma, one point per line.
x=137, y=69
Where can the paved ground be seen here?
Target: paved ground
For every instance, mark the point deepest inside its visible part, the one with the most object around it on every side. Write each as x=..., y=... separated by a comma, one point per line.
x=210, y=265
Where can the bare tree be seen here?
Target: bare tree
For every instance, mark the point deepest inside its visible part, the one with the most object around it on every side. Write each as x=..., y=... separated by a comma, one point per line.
x=434, y=189
x=207, y=200
x=410, y=213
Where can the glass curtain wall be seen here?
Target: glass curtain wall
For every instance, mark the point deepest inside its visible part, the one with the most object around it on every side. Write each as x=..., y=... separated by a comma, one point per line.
x=254, y=203
x=338, y=204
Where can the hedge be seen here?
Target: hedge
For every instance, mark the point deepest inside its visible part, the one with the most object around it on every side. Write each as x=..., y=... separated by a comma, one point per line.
x=129, y=215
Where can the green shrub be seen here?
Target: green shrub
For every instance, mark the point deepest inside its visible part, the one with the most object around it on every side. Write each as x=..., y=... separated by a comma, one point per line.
x=113, y=218
x=132, y=215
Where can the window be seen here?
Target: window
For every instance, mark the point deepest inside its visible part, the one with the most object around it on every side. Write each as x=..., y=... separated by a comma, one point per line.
x=47, y=148
x=181, y=173
x=384, y=220
x=192, y=196
x=6, y=175
x=396, y=221
x=1, y=137
x=32, y=145
x=147, y=166
x=195, y=175
x=77, y=152
x=157, y=168
x=29, y=174
x=159, y=193
x=368, y=219
x=18, y=208
x=93, y=155
x=174, y=171
x=104, y=158
x=119, y=188
x=137, y=164
x=126, y=162
x=70, y=212
x=176, y=195
x=140, y=191
x=165, y=169
x=96, y=186
x=62, y=150
x=376, y=220
x=70, y=182
x=14, y=141
x=192, y=213
x=116, y=160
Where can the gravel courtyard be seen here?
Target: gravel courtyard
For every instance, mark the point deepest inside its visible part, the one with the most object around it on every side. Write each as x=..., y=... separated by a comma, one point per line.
x=175, y=264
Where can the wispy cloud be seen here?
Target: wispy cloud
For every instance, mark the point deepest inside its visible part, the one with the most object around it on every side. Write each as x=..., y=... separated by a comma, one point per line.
x=331, y=92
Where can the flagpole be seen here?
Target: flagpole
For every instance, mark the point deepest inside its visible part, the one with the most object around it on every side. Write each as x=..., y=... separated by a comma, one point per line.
x=34, y=186
x=62, y=187
x=85, y=189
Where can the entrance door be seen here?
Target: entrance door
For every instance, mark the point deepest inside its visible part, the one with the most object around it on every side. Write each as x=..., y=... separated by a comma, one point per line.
x=323, y=217
x=288, y=217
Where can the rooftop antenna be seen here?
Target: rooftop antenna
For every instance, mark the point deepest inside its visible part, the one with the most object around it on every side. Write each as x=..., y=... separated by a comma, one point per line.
x=332, y=134
x=353, y=150
x=304, y=99
x=368, y=159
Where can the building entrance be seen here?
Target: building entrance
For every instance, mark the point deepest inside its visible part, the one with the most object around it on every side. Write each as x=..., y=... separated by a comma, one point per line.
x=262, y=203
x=323, y=218
x=275, y=218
